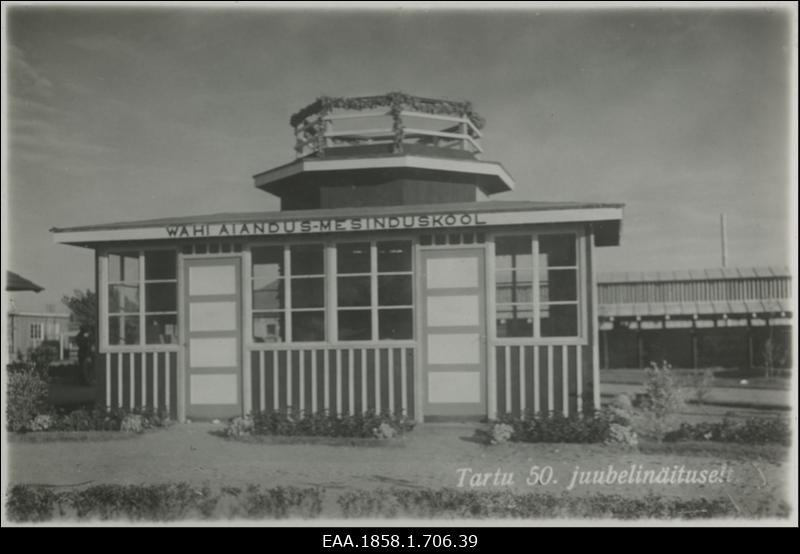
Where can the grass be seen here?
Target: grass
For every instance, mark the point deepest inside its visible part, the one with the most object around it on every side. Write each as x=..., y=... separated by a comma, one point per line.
x=773, y=453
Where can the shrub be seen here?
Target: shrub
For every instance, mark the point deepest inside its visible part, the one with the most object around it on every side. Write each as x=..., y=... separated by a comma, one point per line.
x=662, y=400
x=753, y=430
x=701, y=383
x=98, y=419
x=321, y=424
x=556, y=427
x=27, y=394
x=161, y=502
x=449, y=503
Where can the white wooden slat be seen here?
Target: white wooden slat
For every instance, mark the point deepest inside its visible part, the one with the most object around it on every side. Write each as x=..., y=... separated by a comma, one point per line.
x=536, y=381
x=313, y=381
x=108, y=380
x=391, y=380
x=377, y=356
x=326, y=380
x=338, y=381
x=550, y=388
x=404, y=379
x=363, y=380
x=168, y=378
x=131, y=382
x=289, y=369
x=156, y=405
x=565, y=379
x=351, y=383
x=579, y=362
x=302, y=355
x=144, y=380
x=522, y=406
x=507, y=401
x=275, y=396
x=262, y=383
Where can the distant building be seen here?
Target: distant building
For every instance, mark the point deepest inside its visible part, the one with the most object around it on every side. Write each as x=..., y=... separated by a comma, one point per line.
x=722, y=317
x=27, y=331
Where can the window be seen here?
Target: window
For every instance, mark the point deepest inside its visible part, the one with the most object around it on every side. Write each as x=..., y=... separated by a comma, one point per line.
x=374, y=285
x=142, y=294
x=36, y=331
x=537, y=296
x=302, y=317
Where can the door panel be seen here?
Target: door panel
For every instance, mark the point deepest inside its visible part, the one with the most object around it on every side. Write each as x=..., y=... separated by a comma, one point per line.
x=454, y=331
x=213, y=309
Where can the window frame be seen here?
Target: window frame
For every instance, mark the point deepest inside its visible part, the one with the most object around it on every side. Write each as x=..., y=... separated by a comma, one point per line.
x=582, y=293
x=104, y=283
x=374, y=278
x=40, y=327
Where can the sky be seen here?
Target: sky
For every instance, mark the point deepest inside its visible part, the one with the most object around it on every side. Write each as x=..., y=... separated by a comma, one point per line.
x=118, y=114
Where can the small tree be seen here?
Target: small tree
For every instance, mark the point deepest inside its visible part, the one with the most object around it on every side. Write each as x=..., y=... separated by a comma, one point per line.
x=663, y=399
x=83, y=306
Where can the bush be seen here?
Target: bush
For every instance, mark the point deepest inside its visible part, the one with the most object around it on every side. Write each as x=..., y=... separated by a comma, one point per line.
x=662, y=400
x=162, y=502
x=701, y=383
x=97, y=419
x=556, y=427
x=753, y=430
x=27, y=395
x=320, y=424
x=449, y=503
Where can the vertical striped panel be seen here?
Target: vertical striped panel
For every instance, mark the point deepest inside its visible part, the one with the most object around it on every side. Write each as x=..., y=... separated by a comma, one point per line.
x=564, y=380
x=364, y=379
x=338, y=376
x=314, y=406
x=351, y=383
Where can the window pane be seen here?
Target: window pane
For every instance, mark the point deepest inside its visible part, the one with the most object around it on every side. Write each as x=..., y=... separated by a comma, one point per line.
x=514, y=286
x=394, y=290
x=353, y=291
x=559, y=320
x=268, y=327
x=558, y=285
x=160, y=264
x=511, y=252
x=267, y=294
x=161, y=329
x=514, y=321
x=123, y=298
x=308, y=293
x=123, y=330
x=308, y=260
x=394, y=256
x=557, y=250
x=396, y=324
x=355, y=325
x=160, y=297
x=268, y=262
x=308, y=326
x=123, y=267
x=352, y=258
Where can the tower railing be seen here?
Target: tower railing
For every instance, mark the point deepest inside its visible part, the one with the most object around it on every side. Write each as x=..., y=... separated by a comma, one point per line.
x=329, y=124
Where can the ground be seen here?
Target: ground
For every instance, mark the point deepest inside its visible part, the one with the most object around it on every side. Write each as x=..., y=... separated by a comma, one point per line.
x=433, y=455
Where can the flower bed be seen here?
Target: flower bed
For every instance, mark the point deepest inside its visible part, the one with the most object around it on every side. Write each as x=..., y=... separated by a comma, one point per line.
x=321, y=424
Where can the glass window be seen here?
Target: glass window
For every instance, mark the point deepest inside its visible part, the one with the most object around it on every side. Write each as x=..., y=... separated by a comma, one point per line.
x=360, y=314
x=308, y=259
x=268, y=327
x=557, y=296
x=133, y=303
x=355, y=324
x=353, y=258
x=306, y=288
x=394, y=256
x=394, y=324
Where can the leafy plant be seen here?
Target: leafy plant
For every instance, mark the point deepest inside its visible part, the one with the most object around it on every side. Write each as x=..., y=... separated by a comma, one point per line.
x=27, y=396
x=662, y=400
x=303, y=423
x=701, y=384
